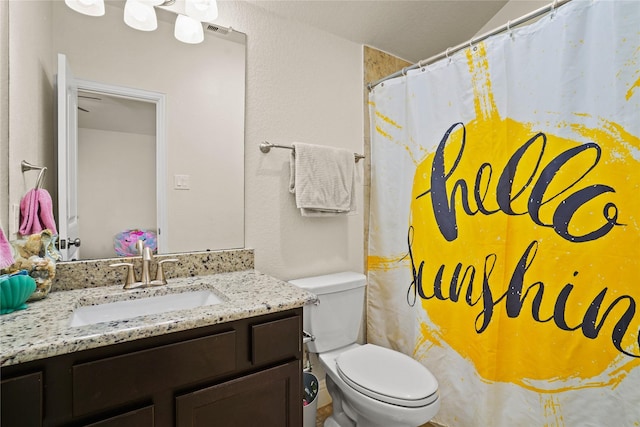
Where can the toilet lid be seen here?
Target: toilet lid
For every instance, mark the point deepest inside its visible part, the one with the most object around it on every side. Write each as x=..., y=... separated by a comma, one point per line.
x=387, y=375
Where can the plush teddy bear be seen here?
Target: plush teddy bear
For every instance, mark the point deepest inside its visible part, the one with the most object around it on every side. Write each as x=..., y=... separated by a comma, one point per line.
x=37, y=255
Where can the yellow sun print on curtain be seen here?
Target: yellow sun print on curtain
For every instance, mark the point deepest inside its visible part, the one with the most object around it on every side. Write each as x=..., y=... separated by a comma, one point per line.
x=525, y=247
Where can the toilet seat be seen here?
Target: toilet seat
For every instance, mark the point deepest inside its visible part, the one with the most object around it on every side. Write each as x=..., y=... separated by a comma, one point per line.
x=388, y=376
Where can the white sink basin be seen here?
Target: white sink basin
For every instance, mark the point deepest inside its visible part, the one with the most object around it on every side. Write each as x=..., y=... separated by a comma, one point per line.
x=121, y=310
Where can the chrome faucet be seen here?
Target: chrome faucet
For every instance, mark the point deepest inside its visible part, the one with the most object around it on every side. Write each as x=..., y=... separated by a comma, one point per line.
x=145, y=254
x=145, y=278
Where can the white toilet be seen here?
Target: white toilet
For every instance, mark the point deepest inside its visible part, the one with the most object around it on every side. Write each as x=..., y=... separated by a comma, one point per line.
x=371, y=386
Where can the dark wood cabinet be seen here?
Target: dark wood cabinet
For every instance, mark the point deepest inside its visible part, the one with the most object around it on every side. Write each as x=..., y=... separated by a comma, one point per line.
x=22, y=400
x=241, y=373
x=138, y=418
x=260, y=399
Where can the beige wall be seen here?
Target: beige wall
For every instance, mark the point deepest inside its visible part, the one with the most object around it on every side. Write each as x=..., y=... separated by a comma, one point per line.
x=30, y=118
x=115, y=167
x=301, y=85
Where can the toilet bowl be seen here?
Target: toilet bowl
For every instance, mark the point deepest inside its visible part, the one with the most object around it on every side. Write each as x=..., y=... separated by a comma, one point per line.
x=370, y=386
x=378, y=387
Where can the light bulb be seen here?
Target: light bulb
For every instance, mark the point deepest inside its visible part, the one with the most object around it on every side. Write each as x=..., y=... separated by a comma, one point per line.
x=202, y=10
x=188, y=30
x=87, y=7
x=140, y=15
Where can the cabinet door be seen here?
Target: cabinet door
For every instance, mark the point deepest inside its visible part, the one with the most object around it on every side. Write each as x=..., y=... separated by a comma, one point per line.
x=22, y=401
x=269, y=398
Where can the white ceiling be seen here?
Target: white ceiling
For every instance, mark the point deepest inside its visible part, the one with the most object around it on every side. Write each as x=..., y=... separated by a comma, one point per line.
x=410, y=29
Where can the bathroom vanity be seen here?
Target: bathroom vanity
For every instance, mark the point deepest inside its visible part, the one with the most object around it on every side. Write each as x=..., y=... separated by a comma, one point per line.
x=234, y=363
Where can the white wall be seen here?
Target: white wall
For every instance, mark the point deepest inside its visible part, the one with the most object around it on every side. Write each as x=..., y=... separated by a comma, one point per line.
x=115, y=169
x=302, y=85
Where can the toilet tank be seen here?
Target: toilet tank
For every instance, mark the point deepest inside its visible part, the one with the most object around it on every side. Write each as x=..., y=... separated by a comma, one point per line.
x=335, y=320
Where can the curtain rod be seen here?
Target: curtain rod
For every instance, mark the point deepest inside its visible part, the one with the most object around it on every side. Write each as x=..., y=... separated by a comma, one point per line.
x=508, y=26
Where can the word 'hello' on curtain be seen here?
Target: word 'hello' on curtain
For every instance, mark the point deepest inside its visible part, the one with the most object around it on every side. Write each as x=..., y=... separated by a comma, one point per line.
x=505, y=227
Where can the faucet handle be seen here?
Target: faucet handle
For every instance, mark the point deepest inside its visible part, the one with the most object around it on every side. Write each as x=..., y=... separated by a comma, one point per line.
x=160, y=277
x=130, y=281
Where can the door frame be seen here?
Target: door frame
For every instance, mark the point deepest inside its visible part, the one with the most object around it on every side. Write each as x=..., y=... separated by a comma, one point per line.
x=159, y=99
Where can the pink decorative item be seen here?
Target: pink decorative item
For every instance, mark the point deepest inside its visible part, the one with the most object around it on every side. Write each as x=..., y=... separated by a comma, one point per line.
x=125, y=241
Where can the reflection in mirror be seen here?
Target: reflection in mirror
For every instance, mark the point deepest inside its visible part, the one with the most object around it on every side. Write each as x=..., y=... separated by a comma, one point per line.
x=204, y=89
x=113, y=131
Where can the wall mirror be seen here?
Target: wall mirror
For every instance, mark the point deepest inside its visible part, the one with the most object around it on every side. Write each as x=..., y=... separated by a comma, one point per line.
x=204, y=89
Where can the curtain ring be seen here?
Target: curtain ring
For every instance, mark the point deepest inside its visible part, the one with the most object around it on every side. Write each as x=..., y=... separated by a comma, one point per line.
x=446, y=54
x=509, y=29
x=404, y=71
x=554, y=6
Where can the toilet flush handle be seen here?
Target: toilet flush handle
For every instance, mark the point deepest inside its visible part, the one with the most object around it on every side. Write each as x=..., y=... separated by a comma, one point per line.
x=306, y=337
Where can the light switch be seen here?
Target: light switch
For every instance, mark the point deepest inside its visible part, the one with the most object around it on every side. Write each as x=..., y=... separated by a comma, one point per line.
x=181, y=182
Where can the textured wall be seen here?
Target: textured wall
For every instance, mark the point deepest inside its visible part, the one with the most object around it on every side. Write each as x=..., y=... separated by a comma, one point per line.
x=302, y=85
x=30, y=116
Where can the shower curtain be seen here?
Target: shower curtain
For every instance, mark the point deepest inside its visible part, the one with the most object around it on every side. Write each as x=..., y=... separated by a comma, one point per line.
x=504, y=248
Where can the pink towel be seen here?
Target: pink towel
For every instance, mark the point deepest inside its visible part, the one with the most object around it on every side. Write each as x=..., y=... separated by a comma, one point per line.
x=6, y=254
x=36, y=211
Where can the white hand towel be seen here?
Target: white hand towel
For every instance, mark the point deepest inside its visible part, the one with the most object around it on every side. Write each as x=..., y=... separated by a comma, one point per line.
x=323, y=180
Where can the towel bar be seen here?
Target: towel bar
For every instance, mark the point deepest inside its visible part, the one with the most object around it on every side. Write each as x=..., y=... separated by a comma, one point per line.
x=26, y=166
x=266, y=146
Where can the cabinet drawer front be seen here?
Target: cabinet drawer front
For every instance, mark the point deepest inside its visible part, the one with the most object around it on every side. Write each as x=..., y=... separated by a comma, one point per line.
x=117, y=380
x=276, y=340
x=22, y=401
x=138, y=418
x=269, y=398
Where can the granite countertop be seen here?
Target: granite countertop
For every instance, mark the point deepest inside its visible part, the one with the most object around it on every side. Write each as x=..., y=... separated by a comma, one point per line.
x=42, y=330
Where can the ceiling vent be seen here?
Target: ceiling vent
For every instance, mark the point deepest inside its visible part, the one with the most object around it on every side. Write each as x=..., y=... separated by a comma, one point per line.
x=217, y=29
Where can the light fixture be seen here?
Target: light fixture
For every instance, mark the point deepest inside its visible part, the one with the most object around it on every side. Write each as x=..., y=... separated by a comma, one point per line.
x=87, y=7
x=140, y=15
x=188, y=30
x=202, y=10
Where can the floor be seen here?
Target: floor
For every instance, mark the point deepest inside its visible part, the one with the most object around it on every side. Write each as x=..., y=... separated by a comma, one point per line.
x=325, y=411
